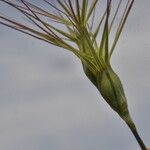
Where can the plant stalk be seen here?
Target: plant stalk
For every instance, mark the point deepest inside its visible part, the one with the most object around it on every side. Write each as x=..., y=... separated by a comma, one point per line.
x=133, y=129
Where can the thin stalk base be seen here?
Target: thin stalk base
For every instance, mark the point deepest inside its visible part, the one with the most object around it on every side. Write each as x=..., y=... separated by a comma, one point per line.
x=133, y=129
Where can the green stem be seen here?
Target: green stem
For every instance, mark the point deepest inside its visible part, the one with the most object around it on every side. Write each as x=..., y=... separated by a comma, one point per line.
x=133, y=129
x=139, y=140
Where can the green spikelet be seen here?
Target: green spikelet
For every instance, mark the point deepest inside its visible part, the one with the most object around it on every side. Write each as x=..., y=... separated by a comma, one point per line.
x=109, y=85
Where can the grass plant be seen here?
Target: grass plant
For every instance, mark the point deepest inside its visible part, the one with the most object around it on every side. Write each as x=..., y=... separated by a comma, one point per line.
x=92, y=40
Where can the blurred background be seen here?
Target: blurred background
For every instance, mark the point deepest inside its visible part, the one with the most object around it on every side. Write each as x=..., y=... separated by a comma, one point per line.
x=47, y=103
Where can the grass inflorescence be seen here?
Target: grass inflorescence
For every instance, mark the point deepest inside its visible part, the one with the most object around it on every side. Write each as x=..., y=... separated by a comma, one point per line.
x=81, y=27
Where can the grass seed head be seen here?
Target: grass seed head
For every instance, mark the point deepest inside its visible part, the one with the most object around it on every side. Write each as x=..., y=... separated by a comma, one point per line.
x=80, y=35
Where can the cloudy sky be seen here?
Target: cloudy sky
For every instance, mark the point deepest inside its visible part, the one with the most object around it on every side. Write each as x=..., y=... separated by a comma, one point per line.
x=47, y=103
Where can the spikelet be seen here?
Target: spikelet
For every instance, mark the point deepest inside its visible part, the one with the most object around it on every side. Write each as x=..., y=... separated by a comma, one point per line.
x=109, y=85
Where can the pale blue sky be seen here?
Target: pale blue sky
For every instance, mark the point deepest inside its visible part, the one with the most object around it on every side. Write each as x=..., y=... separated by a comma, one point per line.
x=47, y=103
